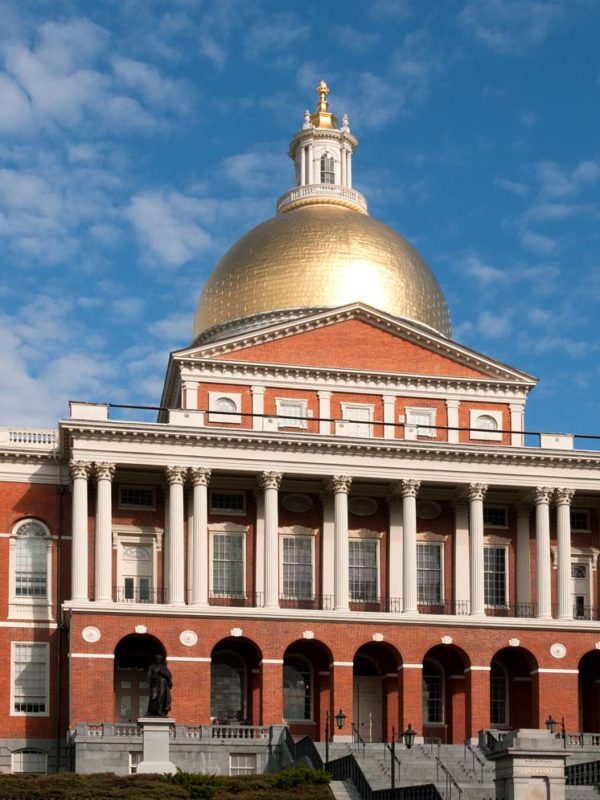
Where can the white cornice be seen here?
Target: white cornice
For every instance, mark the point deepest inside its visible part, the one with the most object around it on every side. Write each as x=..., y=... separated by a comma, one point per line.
x=400, y=327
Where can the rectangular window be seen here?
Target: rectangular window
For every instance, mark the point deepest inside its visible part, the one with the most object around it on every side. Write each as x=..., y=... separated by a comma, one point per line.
x=242, y=764
x=30, y=678
x=494, y=575
x=363, y=569
x=31, y=562
x=580, y=519
x=291, y=413
x=429, y=573
x=297, y=567
x=33, y=762
x=423, y=419
x=495, y=517
x=135, y=759
x=227, y=502
x=228, y=564
x=137, y=497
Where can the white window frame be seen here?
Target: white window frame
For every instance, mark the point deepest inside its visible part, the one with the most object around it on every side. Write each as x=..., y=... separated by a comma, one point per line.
x=429, y=540
x=366, y=535
x=418, y=429
x=585, y=511
x=13, y=713
x=483, y=435
x=283, y=420
x=496, y=505
x=135, y=506
x=580, y=557
x=28, y=751
x=215, y=416
x=32, y=608
x=347, y=409
x=297, y=532
x=236, y=770
x=226, y=529
x=489, y=542
x=311, y=669
x=124, y=536
x=234, y=512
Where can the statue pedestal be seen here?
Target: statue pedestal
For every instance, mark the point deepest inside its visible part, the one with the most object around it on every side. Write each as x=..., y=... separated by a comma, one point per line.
x=530, y=765
x=155, y=735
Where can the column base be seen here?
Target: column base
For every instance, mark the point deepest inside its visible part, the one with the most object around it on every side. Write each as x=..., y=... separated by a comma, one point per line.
x=155, y=735
x=543, y=616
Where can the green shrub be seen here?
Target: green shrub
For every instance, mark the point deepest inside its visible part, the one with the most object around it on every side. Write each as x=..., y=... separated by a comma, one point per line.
x=299, y=776
x=198, y=787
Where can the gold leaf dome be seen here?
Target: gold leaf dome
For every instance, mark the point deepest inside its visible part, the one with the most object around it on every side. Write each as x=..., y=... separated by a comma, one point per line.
x=321, y=255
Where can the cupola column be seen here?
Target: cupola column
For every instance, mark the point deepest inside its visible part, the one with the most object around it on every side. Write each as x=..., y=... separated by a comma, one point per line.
x=477, y=492
x=200, y=477
x=80, y=471
x=409, y=489
x=349, y=170
x=270, y=483
x=344, y=155
x=311, y=166
x=175, y=552
x=302, y=180
x=340, y=485
x=543, y=495
x=103, y=553
x=563, y=499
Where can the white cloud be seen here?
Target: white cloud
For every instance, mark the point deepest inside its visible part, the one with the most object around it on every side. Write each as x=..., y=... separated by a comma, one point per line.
x=354, y=39
x=158, y=91
x=494, y=326
x=260, y=170
x=173, y=330
x=275, y=34
x=514, y=187
x=537, y=243
x=511, y=26
x=488, y=275
x=556, y=182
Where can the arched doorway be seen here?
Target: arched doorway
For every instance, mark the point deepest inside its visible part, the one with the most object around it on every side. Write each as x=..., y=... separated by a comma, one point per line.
x=235, y=682
x=589, y=692
x=133, y=656
x=513, y=690
x=376, y=691
x=444, y=694
x=306, y=687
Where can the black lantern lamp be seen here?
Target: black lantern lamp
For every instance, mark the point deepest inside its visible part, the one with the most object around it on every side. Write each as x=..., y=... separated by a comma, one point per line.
x=409, y=736
x=550, y=724
x=340, y=719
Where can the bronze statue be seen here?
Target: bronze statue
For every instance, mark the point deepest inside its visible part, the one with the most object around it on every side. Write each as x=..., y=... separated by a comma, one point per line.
x=161, y=683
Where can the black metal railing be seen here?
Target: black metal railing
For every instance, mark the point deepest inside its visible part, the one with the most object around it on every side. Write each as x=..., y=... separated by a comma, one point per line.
x=587, y=774
x=393, y=604
x=476, y=759
x=318, y=602
x=235, y=599
x=512, y=610
x=449, y=780
x=138, y=594
x=457, y=607
x=304, y=748
x=358, y=739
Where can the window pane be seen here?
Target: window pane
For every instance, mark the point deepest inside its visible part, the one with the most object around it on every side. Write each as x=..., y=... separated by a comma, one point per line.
x=296, y=690
x=429, y=573
x=363, y=570
x=227, y=688
x=494, y=563
x=498, y=696
x=494, y=515
x=29, y=678
x=228, y=564
x=31, y=553
x=297, y=567
x=433, y=695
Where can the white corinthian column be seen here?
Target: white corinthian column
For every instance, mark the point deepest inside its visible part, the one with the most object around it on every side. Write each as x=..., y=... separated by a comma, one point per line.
x=270, y=483
x=103, y=554
x=200, y=477
x=175, y=561
x=80, y=471
x=409, y=489
x=563, y=498
x=340, y=486
x=477, y=492
x=543, y=495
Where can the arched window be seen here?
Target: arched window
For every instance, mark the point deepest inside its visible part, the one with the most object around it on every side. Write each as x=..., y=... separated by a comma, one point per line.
x=433, y=693
x=498, y=694
x=31, y=553
x=227, y=688
x=327, y=169
x=485, y=422
x=297, y=688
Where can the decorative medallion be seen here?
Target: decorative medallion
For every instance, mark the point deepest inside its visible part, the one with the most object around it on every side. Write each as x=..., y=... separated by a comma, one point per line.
x=558, y=650
x=362, y=506
x=141, y=629
x=91, y=634
x=514, y=642
x=308, y=635
x=188, y=638
x=297, y=503
x=236, y=632
x=378, y=637
x=447, y=640
x=428, y=509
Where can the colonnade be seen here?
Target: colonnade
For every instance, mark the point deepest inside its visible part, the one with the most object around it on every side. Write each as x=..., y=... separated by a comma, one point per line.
x=468, y=541
x=310, y=170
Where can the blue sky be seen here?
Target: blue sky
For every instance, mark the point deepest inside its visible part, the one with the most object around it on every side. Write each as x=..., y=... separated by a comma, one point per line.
x=140, y=138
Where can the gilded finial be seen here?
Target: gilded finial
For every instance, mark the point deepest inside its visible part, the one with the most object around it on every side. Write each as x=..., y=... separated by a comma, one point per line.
x=322, y=90
x=322, y=118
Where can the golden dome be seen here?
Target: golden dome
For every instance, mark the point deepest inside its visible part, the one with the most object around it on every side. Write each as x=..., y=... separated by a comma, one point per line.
x=321, y=256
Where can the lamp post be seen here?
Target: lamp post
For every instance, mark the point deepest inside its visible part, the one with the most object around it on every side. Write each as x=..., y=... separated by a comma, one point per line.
x=563, y=732
x=550, y=724
x=340, y=719
x=409, y=736
x=327, y=740
x=393, y=752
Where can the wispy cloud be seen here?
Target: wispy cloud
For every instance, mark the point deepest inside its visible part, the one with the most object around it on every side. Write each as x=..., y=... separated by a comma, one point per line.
x=275, y=34
x=511, y=26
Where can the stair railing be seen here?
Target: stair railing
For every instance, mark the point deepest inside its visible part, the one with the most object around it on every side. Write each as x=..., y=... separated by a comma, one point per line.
x=476, y=757
x=450, y=780
x=356, y=737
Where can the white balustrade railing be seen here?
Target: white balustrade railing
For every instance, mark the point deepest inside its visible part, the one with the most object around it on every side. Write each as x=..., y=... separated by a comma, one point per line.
x=35, y=437
x=322, y=190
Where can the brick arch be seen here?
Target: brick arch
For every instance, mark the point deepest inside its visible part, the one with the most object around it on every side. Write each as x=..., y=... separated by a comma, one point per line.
x=589, y=691
x=320, y=658
x=380, y=660
x=236, y=666
x=522, y=686
x=446, y=669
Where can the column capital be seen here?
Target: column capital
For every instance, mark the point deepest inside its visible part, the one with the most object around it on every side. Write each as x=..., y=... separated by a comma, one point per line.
x=104, y=471
x=452, y=403
x=543, y=495
x=564, y=496
x=175, y=475
x=270, y=480
x=80, y=469
x=409, y=487
x=477, y=491
x=257, y=389
x=200, y=476
x=323, y=394
x=340, y=484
